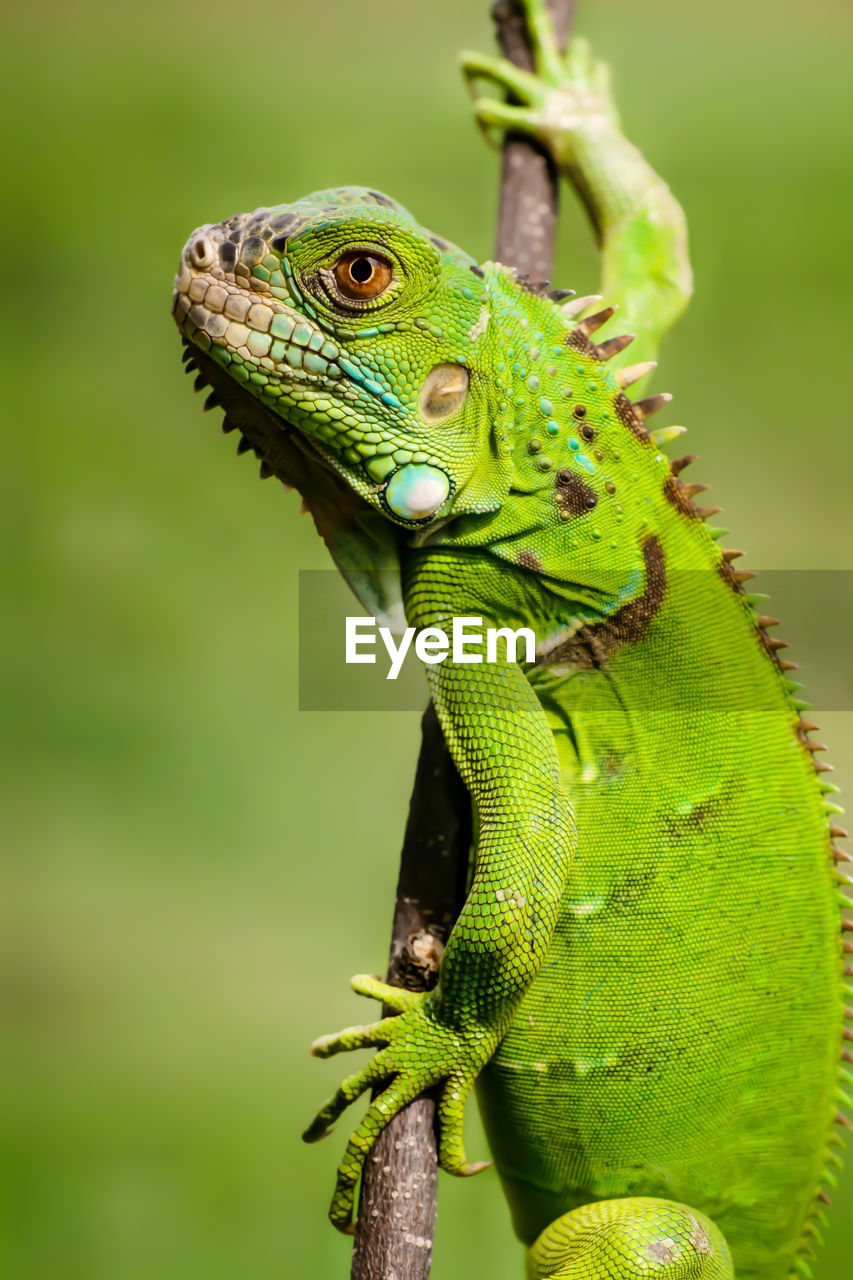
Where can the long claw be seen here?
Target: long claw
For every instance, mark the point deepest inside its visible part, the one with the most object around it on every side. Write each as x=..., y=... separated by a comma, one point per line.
x=380, y=1113
x=353, y=1087
x=364, y=984
x=451, y=1145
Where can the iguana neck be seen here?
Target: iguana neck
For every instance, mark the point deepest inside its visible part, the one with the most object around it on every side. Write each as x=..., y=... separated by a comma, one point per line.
x=589, y=484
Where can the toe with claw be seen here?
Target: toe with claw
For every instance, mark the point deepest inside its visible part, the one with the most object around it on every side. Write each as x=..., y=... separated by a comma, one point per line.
x=416, y=1051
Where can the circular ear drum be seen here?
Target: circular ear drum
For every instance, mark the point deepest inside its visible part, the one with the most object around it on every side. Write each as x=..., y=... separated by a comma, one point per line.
x=444, y=390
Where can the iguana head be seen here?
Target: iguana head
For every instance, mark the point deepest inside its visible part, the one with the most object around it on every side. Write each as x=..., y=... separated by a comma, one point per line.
x=363, y=333
x=412, y=396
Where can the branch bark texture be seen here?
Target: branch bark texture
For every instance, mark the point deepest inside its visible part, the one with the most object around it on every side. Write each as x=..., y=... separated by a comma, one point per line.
x=395, y=1229
x=527, y=210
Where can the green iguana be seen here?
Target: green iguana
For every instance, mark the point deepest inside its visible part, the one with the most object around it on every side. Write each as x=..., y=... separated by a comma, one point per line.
x=646, y=980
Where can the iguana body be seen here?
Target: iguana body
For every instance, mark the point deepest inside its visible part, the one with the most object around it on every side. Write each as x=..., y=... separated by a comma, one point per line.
x=646, y=978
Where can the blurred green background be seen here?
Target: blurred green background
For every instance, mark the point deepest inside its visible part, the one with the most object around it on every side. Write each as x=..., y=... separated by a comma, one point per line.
x=194, y=868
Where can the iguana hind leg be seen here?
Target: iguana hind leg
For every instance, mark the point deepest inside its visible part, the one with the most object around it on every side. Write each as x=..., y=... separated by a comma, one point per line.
x=639, y=1239
x=568, y=106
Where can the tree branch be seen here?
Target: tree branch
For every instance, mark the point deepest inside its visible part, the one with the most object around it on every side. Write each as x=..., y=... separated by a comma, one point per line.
x=395, y=1229
x=397, y=1206
x=527, y=213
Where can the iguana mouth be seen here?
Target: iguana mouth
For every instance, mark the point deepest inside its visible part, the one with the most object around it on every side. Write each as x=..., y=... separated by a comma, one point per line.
x=283, y=450
x=256, y=353
x=249, y=328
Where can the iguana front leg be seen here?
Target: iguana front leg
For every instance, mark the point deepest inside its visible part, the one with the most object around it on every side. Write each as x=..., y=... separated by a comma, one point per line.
x=567, y=105
x=503, y=747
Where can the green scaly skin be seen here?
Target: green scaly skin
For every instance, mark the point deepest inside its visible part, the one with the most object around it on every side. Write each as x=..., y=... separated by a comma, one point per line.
x=646, y=980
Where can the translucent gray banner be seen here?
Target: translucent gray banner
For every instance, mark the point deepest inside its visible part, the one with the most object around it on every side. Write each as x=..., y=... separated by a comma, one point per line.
x=815, y=607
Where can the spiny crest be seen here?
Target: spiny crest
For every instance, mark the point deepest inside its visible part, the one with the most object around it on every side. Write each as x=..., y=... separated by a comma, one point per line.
x=539, y=288
x=682, y=496
x=633, y=414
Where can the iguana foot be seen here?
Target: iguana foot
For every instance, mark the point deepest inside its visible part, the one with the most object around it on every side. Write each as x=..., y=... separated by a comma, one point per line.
x=632, y=1239
x=416, y=1051
x=566, y=100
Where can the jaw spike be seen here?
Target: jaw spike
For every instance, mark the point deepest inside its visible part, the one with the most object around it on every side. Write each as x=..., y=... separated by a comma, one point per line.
x=559, y=295
x=186, y=354
x=837, y=833
x=705, y=513
x=243, y=446
x=665, y=434
x=211, y=402
x=199, y=382
x=265, y=471
x=692, y=490
x=764, y=621
x=592, y=323
x=228, y=425
x=577, y=305
x=651, y=404
x=633, y=373
x=612, y=347
x=729, y=554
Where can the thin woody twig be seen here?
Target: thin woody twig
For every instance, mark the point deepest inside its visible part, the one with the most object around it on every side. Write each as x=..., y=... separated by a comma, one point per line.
x=527, y=213
x=395, y=1229
x=397, y=1206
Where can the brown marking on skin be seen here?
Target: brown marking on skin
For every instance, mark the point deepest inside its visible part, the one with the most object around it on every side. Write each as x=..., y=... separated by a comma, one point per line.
x=677, y=827
x=630, y=418
x=592, y=647
x=613, y=765
x=699, y=1237
x=662, y=1251
x=675, y=492
x=378, y=197
x=572, y=496
x=627, y=894
x=529, y=560
x=578, y=341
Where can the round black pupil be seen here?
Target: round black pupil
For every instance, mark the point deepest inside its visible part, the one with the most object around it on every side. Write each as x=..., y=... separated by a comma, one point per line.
x=361, y=270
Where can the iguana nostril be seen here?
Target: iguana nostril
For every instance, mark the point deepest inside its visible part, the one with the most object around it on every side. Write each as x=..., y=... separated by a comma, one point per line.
x=201, y=252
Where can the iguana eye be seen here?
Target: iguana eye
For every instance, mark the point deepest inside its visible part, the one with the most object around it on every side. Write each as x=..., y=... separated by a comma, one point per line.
x=362, y=276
